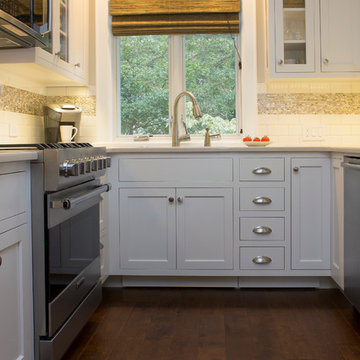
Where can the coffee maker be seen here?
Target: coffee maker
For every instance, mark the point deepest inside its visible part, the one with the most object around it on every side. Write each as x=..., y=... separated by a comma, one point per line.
x=56, y=115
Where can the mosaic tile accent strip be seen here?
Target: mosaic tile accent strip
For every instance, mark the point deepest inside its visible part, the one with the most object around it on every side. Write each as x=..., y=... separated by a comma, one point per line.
x=87, y=103
x=27, y=102
x=21, y=101
x=301, y=103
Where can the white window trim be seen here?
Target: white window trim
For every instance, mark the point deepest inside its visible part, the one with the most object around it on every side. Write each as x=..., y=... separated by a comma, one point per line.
x=176, y=86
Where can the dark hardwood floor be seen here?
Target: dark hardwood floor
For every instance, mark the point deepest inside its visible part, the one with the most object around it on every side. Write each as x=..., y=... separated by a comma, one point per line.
x=223, y=324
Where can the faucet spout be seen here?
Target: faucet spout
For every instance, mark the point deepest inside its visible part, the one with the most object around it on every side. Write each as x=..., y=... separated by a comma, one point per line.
x=176, y=139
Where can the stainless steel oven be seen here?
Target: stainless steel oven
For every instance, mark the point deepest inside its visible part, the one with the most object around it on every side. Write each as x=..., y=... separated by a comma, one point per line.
x=67, y=187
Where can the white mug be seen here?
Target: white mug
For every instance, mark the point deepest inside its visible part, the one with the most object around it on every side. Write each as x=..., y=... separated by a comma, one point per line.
x=67, y=132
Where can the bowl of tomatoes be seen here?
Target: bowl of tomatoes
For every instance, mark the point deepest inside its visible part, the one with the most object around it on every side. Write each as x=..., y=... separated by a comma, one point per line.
x=256, y=141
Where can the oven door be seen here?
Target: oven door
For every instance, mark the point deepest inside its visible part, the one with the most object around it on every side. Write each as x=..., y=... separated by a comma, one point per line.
x=72, y=249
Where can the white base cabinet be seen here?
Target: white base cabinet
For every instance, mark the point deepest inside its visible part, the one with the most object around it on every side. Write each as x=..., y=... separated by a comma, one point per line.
x=310, y=214
x=166, y=228
x=337, y=220
x=16, y=327
x=204, y=229
x=215, y=214
x=147, y=228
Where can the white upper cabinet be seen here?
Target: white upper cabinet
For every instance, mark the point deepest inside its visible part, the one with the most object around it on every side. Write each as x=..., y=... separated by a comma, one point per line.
x=340, y=29
x=312, y=38
x=294, y=34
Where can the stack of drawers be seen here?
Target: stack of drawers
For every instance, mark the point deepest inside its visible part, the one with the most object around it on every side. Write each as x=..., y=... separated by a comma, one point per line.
x=263, y=213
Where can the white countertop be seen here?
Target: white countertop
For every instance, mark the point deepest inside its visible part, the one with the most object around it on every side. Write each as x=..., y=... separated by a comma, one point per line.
x=218, y=146
x=17, y=155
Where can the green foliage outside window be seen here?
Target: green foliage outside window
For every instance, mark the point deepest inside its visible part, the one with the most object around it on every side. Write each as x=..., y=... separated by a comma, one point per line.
x=210, y=76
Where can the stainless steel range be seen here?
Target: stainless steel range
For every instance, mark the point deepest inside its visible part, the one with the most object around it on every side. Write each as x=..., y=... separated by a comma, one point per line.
x=66, y=191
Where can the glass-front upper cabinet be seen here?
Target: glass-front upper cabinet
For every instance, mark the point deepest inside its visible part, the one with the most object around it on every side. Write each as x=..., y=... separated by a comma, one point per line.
x=294, y=35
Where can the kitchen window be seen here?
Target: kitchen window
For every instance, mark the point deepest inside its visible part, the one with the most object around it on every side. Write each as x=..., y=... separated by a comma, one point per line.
x=154, y=69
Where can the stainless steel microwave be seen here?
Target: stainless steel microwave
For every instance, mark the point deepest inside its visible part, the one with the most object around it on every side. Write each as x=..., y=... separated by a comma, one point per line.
x=24, y=23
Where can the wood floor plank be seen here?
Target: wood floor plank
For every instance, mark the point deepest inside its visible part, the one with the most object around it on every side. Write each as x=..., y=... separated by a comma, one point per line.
x=220, y=324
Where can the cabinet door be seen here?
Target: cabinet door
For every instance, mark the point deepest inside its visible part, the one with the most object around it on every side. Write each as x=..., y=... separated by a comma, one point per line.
x=337, y=222
x=294, y=36
x=13, y=313
x=147, y=229
x=204, y=228
x=78, y=40
x=340, y=29
x=310, y=214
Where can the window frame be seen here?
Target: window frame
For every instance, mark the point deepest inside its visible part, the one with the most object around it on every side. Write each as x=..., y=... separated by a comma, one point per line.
x=176, y=78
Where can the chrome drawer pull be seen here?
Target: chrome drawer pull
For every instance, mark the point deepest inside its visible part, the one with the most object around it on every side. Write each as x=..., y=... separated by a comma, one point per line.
x=262, y=230
x=261, y=171
x=80, y=282
x=261, y=260
x=262, y=200
x=0, y=260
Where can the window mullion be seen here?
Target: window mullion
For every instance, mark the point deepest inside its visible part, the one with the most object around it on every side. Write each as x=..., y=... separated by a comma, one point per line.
x=176, y=76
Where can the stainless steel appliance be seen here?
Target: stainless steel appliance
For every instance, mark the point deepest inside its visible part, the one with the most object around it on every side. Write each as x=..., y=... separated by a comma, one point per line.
x=65, y=194
x=56, y=115
x=352, y=236
x=24, y=23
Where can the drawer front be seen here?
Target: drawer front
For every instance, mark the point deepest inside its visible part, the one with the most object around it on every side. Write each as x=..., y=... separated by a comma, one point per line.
x=13, y=194
x=262, y=199
x=262, y=229
x=190, y=169
x=262, y=258
x=262, y=170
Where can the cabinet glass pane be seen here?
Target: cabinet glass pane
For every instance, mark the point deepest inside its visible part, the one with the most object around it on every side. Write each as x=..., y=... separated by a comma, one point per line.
x=63, y=17
x=294, y=32
x=64, y=55
x=294, y=3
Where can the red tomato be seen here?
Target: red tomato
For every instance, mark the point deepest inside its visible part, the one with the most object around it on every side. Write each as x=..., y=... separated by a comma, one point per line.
x=256, y=139
x=265, y=138
x=247, y=138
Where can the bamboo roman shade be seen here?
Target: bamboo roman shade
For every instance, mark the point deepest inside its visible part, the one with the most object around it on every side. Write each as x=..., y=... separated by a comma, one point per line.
x=174, y=17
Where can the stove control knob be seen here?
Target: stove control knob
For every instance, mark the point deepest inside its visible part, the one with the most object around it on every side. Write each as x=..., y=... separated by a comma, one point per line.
x=69, y=169
x=94, y=165
x=100, y=161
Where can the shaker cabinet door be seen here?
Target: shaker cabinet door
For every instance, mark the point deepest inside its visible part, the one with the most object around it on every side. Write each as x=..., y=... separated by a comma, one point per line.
x=204, y=228
x=340, y=29
x=310, y=214
x=147, y=228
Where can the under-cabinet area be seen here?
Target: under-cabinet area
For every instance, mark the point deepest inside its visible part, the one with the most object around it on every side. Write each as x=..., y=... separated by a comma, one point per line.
x=220, y=214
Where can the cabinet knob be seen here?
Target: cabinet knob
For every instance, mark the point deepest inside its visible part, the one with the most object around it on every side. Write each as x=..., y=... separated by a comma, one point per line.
x=281, y=61
x=171, y=199
x=58, y=53
x=261, y=260
x=0, y=260
x=77, y=65
x=326, y=61
x=296, y=169
x=262, y=200
x=180, y=200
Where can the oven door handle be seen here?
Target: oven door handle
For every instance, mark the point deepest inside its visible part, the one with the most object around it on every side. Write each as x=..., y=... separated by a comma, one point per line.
x=71, y=202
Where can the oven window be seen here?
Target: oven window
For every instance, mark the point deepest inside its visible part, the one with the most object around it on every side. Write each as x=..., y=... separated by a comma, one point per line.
x=71, y=247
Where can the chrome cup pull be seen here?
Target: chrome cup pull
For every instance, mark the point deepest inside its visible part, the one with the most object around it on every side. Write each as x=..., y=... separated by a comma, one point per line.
x=261, y=260
x=262, y=230
x=261, y=171
x=262, y=200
